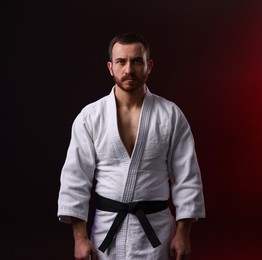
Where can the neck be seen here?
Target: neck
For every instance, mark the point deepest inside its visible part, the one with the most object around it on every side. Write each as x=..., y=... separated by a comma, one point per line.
x=129, y=100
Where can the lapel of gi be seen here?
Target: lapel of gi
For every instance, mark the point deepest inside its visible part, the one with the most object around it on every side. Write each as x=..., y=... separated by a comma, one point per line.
x=139, y=148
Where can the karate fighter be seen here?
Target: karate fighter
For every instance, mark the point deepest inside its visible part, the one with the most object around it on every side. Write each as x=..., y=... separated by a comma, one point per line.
x=133, y=143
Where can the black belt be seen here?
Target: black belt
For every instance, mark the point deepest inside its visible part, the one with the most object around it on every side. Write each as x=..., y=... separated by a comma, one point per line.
x=140, y=209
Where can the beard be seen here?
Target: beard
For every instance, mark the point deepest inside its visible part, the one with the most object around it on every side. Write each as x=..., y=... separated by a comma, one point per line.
x=130, y=82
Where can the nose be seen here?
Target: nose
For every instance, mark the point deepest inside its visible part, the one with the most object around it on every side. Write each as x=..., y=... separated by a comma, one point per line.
x=129, y=68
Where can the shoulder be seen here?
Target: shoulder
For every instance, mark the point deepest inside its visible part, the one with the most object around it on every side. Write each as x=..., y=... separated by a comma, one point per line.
x=168, y=112
x=94, y=108
x=166, y=105
x=163, y=101
x=90, y=115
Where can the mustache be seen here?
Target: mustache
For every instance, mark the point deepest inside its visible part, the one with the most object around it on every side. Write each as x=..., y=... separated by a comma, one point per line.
x=128, y=77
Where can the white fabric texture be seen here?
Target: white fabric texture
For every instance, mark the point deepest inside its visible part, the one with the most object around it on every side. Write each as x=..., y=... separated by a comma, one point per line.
x=164, y=150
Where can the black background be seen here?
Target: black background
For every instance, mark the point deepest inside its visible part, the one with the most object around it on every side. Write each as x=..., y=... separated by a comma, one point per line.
x=208, y=60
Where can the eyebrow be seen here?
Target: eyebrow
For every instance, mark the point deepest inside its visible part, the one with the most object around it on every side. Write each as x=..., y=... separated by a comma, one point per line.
x=119, y=59
x=135, y=58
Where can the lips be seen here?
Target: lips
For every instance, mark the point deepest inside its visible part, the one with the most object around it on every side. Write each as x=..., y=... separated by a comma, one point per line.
x=128, y=79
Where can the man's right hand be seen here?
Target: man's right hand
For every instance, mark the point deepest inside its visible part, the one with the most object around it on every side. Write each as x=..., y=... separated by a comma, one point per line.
x=84, y=249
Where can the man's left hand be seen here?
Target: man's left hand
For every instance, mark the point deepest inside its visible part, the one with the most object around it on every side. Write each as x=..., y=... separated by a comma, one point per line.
x=180, y=247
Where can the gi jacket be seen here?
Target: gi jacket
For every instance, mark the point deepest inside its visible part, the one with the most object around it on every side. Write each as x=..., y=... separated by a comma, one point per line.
x=164, y=150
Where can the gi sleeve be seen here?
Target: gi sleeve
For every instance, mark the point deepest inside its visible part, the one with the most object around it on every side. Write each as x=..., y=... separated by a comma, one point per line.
x=186, y=183
x=77, y=174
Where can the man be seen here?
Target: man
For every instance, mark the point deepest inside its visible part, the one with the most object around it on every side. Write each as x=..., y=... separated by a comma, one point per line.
x=132, y=143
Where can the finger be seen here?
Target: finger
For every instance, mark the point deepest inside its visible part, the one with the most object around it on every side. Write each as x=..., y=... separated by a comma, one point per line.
x=94, y=256
x=172, y=254
x=179, y=256
x=184, y=257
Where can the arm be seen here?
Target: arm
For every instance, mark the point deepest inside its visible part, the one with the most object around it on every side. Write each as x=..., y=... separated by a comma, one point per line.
x=186, y=187
x=84, y=248
x=180, y=248
x=76, y=185
x=186, y=184
x=77, y=176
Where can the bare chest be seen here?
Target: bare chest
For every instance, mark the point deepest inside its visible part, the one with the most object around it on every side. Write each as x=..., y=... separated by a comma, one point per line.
x=128, y=127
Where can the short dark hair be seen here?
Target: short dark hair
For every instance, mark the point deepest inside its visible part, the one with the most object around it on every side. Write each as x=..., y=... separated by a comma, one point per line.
x=127, y=38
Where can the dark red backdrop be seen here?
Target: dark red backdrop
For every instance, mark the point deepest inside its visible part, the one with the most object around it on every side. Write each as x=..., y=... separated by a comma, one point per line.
x=208, y=59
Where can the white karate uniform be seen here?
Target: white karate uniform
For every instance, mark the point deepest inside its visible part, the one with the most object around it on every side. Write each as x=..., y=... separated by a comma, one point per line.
x=164, y=149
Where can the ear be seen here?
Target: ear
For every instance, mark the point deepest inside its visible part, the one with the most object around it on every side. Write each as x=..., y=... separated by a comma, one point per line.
x=109, y=66
x=150, y=65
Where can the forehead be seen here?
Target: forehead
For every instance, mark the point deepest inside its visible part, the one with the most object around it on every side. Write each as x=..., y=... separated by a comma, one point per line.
x=128, y=50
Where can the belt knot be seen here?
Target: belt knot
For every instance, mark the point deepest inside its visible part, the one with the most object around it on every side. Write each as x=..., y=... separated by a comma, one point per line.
x=139, y=208
x=132, y=207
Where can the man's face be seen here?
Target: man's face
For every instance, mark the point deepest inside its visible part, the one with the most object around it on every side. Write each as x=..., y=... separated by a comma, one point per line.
x=129, y=66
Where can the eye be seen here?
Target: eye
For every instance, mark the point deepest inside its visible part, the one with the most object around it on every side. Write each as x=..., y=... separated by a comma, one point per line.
x=119, y=61
x=138, y=61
